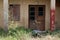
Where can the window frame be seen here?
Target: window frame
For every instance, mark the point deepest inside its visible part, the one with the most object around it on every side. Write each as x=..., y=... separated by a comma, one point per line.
x=16, y=17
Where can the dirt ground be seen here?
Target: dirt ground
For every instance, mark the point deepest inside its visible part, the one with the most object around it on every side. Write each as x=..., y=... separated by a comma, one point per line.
x=48, y=37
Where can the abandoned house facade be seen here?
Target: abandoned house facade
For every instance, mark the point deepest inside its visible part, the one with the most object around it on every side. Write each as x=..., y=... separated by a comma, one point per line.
x=34, y=14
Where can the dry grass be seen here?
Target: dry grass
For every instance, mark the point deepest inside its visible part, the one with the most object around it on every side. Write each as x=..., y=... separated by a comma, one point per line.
x=25, y=34
x=19, y=33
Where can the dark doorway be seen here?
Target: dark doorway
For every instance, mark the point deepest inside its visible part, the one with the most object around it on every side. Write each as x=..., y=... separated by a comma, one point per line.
x=37, y=17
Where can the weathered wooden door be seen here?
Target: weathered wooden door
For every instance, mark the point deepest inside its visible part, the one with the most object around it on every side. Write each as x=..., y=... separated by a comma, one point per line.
x=37, y=17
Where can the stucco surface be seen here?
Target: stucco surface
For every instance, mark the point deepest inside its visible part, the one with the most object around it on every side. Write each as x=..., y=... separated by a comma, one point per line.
x=1, y=13
x=24, y=7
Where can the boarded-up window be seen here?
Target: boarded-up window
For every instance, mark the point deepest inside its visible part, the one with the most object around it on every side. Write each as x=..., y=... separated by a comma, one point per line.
x=14, y=12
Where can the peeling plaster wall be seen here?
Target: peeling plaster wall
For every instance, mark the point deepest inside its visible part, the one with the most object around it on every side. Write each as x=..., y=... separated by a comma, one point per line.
x=24, y=10
x=24, y=7
x=1, y=14
x=57, y=19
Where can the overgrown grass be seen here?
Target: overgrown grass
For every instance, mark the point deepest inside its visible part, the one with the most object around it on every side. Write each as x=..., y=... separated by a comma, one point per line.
x=14, y=34
x=20, y=33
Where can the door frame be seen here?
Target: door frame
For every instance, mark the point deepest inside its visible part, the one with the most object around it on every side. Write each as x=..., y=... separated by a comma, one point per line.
x=29, y=15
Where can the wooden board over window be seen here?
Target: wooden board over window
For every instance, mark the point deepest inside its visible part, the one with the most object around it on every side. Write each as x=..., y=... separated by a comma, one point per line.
x=14, y=12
